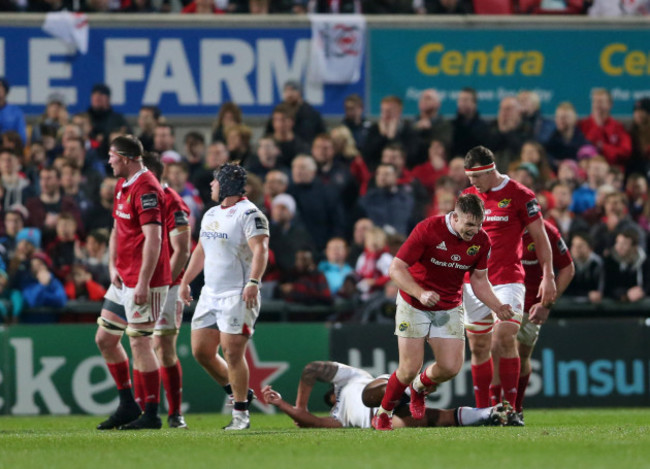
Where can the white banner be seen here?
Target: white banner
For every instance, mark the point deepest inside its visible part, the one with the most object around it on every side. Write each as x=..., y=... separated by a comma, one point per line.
x=71, y=28
x=337, y=48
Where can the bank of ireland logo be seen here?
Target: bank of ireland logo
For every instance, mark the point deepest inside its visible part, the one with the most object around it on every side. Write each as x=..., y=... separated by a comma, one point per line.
x=214, y=226
x=403, y=326
x=455, y=257
x=504, y=203
x=473, y=250
x=531, y=247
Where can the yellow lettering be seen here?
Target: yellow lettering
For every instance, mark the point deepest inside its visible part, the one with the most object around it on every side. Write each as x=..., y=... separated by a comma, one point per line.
x=421, y=59
x=533, y=64
x=451, y=63
x=496, y=56
x=480, y=58
x=606, y=59
x=511, y=61
x=635, y=63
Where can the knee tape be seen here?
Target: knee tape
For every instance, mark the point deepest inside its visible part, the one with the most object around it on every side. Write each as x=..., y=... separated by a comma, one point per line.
x=112, y=327
x=480, y=327
x=131, y=332
x=165, y=332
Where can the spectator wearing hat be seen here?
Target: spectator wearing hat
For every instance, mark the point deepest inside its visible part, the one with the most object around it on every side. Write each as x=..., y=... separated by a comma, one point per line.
x=103, y=118
x=28, y=241
x=43, y=289
x=640, y=134
x=307, y=121
x=606, y=133
x=287, y=233
x=526, y=174
x=11, y=116
x=14, y=221
x=566, y=138
x=44, y=209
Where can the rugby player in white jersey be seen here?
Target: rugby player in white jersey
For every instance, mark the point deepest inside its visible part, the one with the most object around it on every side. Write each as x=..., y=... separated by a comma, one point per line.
x=232, y=251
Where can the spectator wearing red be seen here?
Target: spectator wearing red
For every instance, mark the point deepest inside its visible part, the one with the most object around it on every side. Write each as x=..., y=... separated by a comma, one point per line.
x=430, y=171
x=65, y=246
x=374, y=263
x=81, y=285
x=607, y=134
x=346, y=151
x=305, y=284
x=202, y=7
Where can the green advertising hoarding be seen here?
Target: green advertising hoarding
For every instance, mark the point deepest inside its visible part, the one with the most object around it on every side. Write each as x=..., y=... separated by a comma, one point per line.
x=560, y=64
x=57, y=369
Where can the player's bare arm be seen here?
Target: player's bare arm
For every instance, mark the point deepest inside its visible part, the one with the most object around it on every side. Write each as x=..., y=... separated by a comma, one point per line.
x=547, y=289
x=112, y=255
x=539, y=313
x=301, y=417
x=323, y=371
x=401, y=276
x=150, y=252
x=181, y=242
x=484, y=292
x=193, y=269
x=260, y=246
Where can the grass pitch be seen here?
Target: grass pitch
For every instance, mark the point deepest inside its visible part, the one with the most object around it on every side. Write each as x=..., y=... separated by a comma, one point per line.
x=610, y=438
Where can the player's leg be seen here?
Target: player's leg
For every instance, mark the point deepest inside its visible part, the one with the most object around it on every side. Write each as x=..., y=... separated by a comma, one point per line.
x=479, y=323
x=234, y=350
x=112, y=324
x=526, y=340
x=142, y=320
x=164, y=342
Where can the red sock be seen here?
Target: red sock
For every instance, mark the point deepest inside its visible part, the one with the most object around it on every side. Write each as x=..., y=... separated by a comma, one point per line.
x=172, y=378
x=120, y=373
x=394, y=390
x=509, y=377
x=521, y=390
x=482, y=377
x=428, y=382
x=138, y=387
x=151, y=386
x=495, y=394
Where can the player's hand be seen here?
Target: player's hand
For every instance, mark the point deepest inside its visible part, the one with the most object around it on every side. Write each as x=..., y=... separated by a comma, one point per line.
x=185, y=294
x=116, y=280
x=250, y=296
x=270, y=396
x=429, y=298
x=504, y=312
x=141, y=294
x=538, y=314
x=547, y=291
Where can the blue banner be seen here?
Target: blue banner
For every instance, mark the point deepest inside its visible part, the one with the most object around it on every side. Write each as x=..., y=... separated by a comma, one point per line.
x=561, y=65
x=184, y=71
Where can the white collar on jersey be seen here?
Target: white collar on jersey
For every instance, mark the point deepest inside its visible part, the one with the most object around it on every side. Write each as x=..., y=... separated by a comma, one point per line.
x=505, y=181
x=134, y=177
x=448, y=222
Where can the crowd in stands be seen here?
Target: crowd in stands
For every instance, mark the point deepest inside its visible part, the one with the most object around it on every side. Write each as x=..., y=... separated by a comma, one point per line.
x=340, y=201
x=597, y=8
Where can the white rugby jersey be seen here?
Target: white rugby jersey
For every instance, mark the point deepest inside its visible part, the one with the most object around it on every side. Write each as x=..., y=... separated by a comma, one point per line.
x=224, y=236
x=348, y=387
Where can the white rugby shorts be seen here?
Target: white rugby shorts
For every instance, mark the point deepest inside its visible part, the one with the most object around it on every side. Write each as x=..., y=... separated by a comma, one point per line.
x=228, y=314
x=415, y=323
x=478, y=317
x=171, y=315
x=138, y=314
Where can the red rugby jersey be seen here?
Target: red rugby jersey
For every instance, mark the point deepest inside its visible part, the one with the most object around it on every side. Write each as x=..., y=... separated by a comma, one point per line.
x=177, y=214
x=438, y=260
x=138, y=202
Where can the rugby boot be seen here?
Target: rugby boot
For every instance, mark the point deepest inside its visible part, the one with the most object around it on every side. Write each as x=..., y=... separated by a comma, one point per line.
x=123, y=415
x=240, y=421
x=382, y=421
x=417, y=406
x=176, y=421
x=145, y=422
x=499, y=415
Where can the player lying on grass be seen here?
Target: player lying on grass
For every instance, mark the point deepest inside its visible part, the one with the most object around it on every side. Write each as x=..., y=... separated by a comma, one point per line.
x=355, y=396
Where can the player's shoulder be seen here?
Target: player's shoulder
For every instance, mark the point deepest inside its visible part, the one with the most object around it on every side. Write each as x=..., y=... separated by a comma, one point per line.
x=551, y=229
x=470, y=190
x=147, y=182
x=482, y=237
x=519, y=189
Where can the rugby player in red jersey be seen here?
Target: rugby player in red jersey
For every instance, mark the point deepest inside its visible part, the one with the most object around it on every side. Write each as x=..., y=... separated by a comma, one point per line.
x=429, y=269
x=535, y=314
x=140, y=276
x=510, y=208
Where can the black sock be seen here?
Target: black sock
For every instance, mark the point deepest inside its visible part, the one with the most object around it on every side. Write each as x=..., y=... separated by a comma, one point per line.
x=126, y=397
x=228, y=389
x=151, y=409
x=241, y=405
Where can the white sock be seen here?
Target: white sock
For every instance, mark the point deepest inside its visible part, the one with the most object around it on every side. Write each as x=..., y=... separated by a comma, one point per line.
x=417, y=384
x=471, y=416
x=381, y=410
